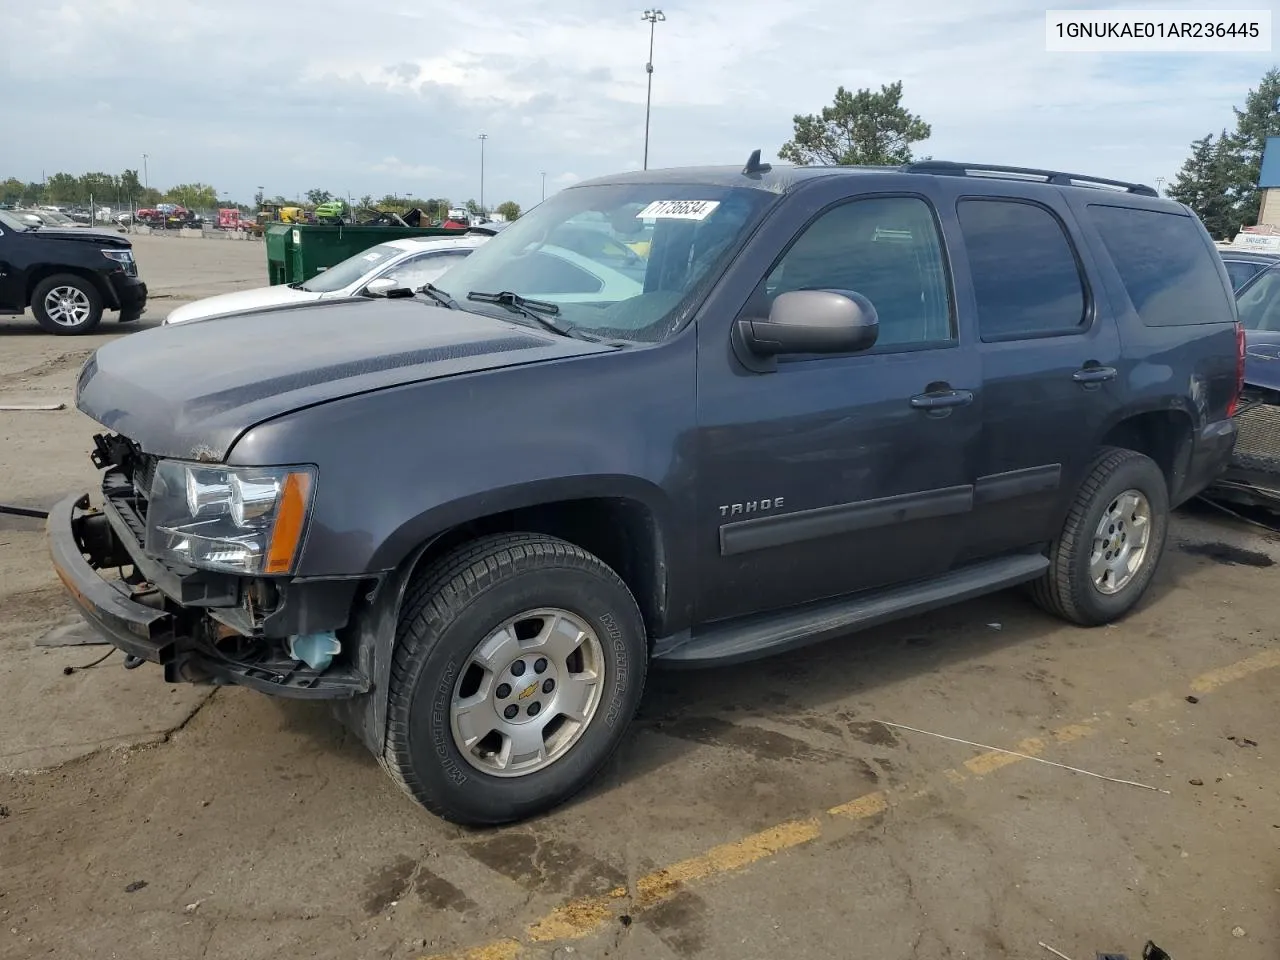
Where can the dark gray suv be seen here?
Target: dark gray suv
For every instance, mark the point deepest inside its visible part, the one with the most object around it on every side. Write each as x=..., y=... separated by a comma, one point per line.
x=831, y=397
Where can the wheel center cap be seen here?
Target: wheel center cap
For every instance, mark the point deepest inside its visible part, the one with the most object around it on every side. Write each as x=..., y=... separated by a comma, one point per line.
x=530, y=685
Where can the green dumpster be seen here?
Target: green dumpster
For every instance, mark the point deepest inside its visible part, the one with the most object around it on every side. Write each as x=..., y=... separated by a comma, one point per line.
x=298, y=251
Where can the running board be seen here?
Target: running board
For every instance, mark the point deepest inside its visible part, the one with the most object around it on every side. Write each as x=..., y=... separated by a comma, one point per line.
x=766, y=634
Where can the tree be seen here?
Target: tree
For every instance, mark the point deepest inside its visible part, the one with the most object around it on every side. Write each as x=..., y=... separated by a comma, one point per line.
x=12, y=191
x=858, y=128
x=63, y=188
x=366, y=202
x=193, y=196
x=1204, y=185
x=316, y=196
x=1219, y=181
x=1259, y=119
x=509, y=209
x=130, y=185
x=473, y=208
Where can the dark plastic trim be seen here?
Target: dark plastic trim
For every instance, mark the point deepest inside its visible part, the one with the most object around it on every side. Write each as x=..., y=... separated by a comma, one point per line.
x=768, y=634
x=760, y=533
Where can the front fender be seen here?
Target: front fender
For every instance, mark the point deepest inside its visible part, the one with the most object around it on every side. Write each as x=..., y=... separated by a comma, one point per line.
x=439, y=519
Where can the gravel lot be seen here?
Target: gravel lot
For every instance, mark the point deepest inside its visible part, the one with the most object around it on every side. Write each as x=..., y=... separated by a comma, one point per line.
x=762, y=811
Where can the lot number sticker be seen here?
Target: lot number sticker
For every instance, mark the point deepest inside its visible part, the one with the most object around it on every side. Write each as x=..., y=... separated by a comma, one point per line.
x=678, y=210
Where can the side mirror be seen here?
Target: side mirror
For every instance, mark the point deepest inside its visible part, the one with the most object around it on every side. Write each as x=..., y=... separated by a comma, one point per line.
x=812, y=321
x=384, y=287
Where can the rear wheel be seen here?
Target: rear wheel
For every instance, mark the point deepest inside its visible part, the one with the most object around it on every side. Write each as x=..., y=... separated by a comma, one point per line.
x=66, y=304
x=520, y=660
x=1111, y=543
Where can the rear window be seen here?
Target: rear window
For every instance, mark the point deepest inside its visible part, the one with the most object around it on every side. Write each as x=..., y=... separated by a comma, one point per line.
x=1242, y=271
x=1166, y=265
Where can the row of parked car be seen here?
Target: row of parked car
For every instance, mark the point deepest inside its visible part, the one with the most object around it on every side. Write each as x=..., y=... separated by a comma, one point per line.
x=669, y=417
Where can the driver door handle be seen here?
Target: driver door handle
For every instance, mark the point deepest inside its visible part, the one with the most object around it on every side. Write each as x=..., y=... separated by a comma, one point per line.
x=1094, y=374
x=942, y=399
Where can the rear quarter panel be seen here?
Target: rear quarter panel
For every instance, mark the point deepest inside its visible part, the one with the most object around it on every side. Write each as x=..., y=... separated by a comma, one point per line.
x=1189, y=367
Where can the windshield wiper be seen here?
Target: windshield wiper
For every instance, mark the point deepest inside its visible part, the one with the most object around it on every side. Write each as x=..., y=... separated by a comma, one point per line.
x=439, y=296
x=533, y=309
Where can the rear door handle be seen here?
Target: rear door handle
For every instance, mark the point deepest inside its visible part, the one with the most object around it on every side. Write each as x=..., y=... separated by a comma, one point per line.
x=1094, y=374
x=943, y=398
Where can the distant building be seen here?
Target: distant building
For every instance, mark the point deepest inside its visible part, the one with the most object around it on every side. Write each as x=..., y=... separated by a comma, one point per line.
x=1269, y=184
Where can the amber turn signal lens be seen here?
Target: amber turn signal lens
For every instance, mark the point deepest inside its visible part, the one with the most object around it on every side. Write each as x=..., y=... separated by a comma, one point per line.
x=286, y=535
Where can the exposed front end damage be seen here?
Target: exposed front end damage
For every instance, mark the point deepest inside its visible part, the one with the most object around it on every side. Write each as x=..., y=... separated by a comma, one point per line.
x=201, y=626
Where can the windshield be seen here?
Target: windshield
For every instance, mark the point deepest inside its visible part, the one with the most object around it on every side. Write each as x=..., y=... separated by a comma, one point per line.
x=619, y=260
x=1259, y=303
x=11, y=222
x=347, y=272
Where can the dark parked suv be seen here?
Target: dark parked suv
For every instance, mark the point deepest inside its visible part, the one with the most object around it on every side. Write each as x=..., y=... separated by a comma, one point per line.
x=67, y=277
x=834, y=397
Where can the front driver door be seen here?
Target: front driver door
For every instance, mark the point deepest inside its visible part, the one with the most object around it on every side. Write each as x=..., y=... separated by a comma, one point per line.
x=836, y=474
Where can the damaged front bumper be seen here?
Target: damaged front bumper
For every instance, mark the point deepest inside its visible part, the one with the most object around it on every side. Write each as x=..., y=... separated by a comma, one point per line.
x=201, y=627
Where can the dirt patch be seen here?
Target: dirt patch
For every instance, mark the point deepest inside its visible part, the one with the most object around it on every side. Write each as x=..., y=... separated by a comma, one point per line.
x=1228, y=554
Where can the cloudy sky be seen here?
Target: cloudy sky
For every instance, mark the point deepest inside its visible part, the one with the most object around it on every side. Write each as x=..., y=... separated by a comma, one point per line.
x=381, y=96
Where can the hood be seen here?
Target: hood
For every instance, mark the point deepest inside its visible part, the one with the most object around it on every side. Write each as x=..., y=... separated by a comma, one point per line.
x=190, y=390
x=274, y=296
x=85, y=235
x=1262, y=359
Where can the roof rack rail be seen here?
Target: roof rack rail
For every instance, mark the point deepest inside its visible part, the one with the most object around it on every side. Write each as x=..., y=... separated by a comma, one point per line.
x=951, y=168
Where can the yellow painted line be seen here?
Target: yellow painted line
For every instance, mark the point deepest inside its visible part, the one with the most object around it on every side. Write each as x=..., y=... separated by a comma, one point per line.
x=498, y=950
x=588, y=915
x=726, y=858
x=1074, y=731
x=1161, y=701
x=985, y=763
x=1208, y=682
x=575, y=919
x=865, y=806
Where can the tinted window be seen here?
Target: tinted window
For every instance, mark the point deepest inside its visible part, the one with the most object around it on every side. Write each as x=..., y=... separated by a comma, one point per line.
x=1166, y=265
x=1025, y=276
x=424, y=269
x=1259, y=306
x=1241, y=271
x=886, y=249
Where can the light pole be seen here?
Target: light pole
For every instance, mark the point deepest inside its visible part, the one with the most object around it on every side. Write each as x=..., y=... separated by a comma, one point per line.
x=146, y=180
x=483, y=138
x=544, y=184
x=653, y=16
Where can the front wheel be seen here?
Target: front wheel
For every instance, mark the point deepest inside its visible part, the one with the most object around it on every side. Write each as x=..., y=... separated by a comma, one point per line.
x=66, y=304
x=1111, y=543
x=520, y=660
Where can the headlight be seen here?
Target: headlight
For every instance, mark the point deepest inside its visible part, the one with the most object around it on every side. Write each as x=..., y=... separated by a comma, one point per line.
x=246, y=520
x=122, y=256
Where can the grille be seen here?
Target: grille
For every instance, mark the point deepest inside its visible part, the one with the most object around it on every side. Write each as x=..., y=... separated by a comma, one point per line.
x=144, y=471
x=1258, y=440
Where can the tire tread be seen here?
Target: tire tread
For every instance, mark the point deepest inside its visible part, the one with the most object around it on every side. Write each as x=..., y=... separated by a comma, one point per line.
x=1056, y=592
x=437, y=596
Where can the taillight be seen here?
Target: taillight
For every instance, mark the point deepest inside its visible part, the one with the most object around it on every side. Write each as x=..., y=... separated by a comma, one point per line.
x=1240, y=355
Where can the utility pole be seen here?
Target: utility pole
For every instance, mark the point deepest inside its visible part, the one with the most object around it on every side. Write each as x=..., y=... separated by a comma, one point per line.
x=146, y=180
x=544, y=184
x=653, y=17
x=483, y=138
x=1159, y=181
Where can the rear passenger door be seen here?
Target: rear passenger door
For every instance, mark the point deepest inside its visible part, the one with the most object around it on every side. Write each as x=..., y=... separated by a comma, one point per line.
x=1050, y=355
